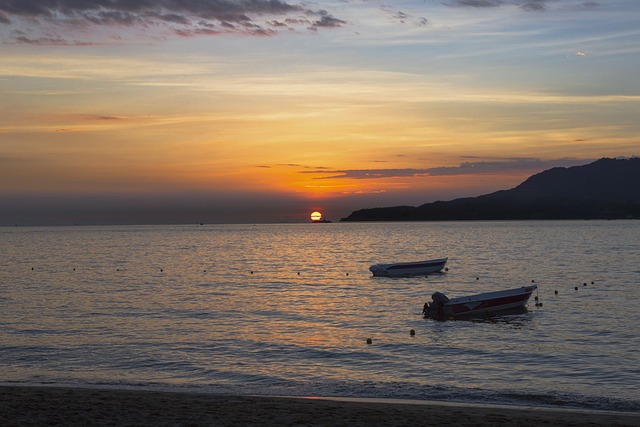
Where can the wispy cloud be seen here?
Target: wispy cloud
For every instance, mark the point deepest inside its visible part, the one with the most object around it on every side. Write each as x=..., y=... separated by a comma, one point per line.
x=184, y=18
x=534, y=5
x=476, y=3
x=325, y=20
x=528, y=5
x=402, y=17
x=316, y=169
x=101, y=118
x=519, y=165
x=368, y=173
x=481, y=167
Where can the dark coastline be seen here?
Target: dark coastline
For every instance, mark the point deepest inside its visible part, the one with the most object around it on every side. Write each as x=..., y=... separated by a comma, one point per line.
x=605, y=189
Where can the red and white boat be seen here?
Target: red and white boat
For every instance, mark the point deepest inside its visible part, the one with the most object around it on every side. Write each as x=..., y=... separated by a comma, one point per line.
x=479, y=305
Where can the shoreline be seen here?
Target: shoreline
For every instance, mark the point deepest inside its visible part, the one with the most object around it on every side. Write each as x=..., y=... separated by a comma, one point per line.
x=26, y=405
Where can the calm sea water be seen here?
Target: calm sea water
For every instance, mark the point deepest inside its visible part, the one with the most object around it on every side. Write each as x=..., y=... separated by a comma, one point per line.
x=287, y=309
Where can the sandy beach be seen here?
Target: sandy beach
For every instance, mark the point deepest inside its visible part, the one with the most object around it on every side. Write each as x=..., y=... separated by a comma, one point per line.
x=31, y=406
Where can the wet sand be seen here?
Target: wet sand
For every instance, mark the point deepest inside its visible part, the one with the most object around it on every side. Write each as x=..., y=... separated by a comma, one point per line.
x=57, y=406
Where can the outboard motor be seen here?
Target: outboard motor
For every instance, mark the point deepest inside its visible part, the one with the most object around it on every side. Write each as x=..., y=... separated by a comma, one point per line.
x=436, y=308
x=439, y=297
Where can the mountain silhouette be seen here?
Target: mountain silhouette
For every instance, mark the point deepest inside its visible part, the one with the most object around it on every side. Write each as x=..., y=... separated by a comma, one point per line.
x=604, y=189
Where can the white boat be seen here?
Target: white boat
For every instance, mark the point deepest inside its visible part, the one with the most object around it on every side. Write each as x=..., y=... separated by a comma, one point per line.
x=479, y=305
x=416, y=268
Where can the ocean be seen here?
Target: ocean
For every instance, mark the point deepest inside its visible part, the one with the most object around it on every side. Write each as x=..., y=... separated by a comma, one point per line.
x=286, y=309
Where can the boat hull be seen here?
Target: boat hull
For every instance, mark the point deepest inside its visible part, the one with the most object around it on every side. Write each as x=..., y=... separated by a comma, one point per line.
x=402, y=269
x=486, y=304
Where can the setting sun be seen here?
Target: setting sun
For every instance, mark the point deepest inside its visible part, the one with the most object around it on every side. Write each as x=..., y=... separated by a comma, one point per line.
x=316, y=216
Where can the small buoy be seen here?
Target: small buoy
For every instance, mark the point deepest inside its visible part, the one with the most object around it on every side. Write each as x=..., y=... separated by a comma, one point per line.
x=74, y=269
x=536, y=298
x=556, y=292
x=251, y=272
x=533, y=281
x=446, y=269
x=298, y=273
x=161, y=270
x=31, y=268
x=347, y=274
x=117, y=269
x=540, y=304
x=584, y=284
x=412, y=332
x=592, y=283
x=576, y=288
x=369, y=340
x=477, y=278
x=204, y=271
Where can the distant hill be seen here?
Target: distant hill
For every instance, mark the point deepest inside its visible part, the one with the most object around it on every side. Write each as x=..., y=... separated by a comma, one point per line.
x=604, y=189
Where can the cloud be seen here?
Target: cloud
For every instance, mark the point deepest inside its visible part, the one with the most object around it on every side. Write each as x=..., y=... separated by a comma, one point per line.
x=519, y=165
x=51, y=41
x=528, y=5
x=316, y=169
x=186, y=18
x=534, y=5
x=513, y=165
x=476, y=3
x=326, y=21
x=127, y=12
x=402, y=17
x=99, y=117
x=369, y=173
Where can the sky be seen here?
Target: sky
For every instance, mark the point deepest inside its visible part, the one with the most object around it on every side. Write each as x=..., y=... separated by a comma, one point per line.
x=140, y=111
